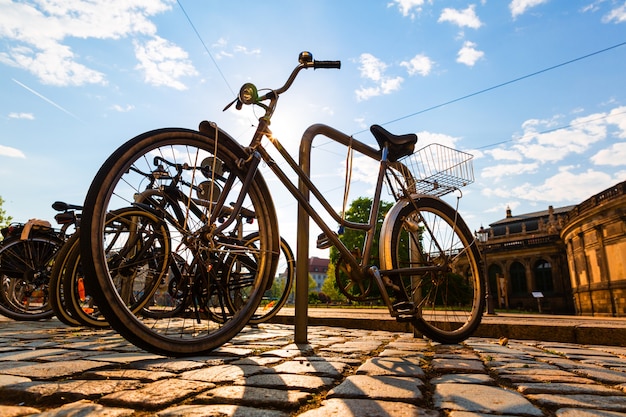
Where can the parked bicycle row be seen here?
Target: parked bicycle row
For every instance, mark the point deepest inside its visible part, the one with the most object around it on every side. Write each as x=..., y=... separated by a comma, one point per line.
x=178, y=241
x=42, y=275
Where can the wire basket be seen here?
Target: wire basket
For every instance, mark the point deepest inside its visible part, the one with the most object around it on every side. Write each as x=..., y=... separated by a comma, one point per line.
x=436, y=170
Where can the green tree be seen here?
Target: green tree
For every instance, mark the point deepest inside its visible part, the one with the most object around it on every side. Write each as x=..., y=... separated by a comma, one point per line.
x=329, y=287
x=359, y=212
x=4, y=218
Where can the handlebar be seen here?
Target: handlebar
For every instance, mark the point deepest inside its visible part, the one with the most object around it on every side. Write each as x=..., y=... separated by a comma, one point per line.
x=248, y=94
x=327, y=64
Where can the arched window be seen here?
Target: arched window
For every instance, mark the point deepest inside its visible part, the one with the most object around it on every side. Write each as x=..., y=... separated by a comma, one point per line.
x=543, y=276
x=517, y=273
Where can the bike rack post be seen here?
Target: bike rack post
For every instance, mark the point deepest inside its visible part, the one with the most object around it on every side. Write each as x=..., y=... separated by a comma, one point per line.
x=302, y=250
x=302, y=247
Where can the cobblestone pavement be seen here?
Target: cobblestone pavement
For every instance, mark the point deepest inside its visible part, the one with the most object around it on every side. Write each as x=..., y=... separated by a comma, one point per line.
x=48, y=369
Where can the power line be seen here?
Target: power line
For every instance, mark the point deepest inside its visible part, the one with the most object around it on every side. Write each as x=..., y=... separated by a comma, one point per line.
x=205, y=47
x=502, y=84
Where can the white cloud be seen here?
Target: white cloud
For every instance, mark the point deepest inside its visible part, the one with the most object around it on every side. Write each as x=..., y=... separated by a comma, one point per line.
x=163, y=63
x=505, y=154
x=39, y=33
x=617, y=15
x=11, y=152
x=507, y=170
x=615, y=155
x=373, y=69
x=519, y=7
x=224, y=50
x=425, y=138
x=123, y=109
x=55, y=65
x=462, y=18
x=617, y=117
x=556, y=145
x=27, y=116
x=409, y=7
x=365, y=93
x=244, y=50
x=564, y=187
x=389, y=85
x=468, y=54
x=419, y=64
x=362, y=169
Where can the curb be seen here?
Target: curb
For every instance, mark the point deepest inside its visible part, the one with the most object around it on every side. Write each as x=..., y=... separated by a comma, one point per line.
x=549, y=330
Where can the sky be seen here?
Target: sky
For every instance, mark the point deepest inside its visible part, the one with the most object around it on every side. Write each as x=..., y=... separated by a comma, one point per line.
x=534, y=89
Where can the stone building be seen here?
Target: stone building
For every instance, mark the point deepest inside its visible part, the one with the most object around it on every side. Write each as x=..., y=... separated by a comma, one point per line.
x=526, y=262
x=566, y=260
x=595, y=238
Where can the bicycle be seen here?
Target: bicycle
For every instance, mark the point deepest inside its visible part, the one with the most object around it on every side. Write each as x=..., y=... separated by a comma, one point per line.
x=428, y=268
x=67, y=217
x=27, y=257
x=166, y=199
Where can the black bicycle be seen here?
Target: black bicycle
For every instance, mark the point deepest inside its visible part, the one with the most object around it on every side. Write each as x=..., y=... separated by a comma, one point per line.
x=428, y=266
x=27, y=258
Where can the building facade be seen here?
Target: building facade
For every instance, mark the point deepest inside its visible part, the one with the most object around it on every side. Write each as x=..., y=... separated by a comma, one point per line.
x=526, y=262
x=318, y=270
x=595, y=239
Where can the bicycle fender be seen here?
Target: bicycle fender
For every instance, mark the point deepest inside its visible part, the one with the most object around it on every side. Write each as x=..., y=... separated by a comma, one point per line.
x=210, y=129
x=386, y=231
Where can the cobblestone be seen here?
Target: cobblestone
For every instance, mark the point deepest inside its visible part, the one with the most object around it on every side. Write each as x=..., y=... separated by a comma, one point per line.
x=50, y=370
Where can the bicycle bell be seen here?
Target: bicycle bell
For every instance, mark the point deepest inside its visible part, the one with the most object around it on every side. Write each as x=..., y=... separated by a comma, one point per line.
x=248, y=94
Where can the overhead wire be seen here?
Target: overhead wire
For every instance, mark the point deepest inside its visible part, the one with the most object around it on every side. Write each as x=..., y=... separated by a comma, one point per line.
x=437, y=106
x=205, y=47
x=562, y=64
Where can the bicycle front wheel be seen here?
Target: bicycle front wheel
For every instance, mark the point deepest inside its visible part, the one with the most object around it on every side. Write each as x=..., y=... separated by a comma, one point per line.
x=444, y=285
x=58, y=291
x=187, y=180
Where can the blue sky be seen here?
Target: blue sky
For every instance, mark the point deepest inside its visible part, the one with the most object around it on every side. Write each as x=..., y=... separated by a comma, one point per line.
x=535, y=89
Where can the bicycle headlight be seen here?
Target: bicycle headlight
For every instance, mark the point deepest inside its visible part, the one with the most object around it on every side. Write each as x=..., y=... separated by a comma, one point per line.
x=248, y=94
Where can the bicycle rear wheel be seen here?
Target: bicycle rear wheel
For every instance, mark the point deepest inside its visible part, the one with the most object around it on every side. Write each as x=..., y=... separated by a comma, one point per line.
x=197, y=172
x=25, y=267
x=449, y=295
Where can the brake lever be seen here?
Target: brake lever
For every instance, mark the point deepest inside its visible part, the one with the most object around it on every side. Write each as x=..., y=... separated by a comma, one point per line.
x=238, y=106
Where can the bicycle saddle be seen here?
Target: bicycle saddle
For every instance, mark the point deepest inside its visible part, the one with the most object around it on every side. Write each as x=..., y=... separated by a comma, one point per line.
x=399, y=145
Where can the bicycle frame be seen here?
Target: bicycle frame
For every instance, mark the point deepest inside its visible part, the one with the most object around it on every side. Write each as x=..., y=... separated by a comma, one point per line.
x=359, y=269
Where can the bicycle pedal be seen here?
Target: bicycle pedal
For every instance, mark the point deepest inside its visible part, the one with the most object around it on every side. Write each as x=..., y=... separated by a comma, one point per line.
x=401, y=318
x=323, y=242
x=405, y=311
x=405, y=308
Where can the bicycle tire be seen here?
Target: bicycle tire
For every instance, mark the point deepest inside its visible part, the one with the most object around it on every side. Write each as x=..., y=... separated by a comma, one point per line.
x=25, y=267
x=58, y=301
x=119, y=181
x=279, y=288
x=425, y=231
x=78, y=300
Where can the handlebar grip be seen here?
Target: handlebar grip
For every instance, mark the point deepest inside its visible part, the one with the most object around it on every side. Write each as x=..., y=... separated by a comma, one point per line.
x=326, y=64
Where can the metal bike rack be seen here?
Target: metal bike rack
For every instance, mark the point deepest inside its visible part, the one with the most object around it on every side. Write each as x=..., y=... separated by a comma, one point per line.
x=302, y=242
